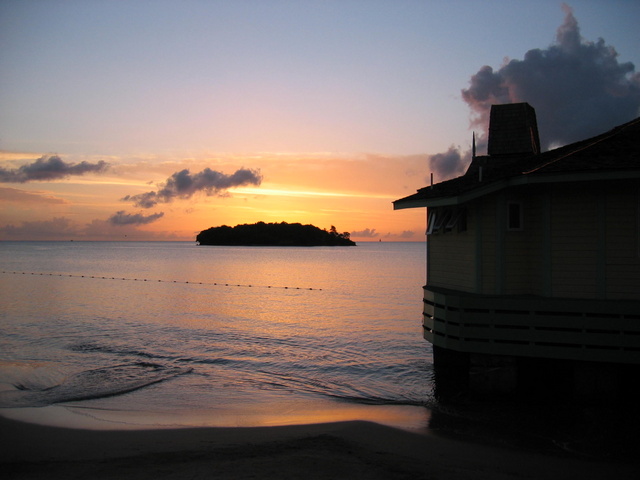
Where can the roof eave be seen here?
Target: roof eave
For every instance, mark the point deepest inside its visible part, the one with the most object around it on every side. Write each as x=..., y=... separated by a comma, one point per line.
x=520, y=180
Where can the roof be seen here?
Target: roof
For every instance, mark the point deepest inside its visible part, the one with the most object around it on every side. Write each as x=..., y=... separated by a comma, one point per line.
x=611, y=155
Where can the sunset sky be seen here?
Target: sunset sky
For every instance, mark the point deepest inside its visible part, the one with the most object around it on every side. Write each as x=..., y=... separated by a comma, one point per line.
x=154, y=120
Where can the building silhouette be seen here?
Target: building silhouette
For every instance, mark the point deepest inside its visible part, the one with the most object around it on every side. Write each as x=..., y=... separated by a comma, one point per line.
x=533, y=263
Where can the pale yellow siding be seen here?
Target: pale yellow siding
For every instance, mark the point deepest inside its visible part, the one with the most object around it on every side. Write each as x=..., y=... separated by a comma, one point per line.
x=452, y=258
x=622, y=262
x=536, y=217
x=574, y=236
x=489, y=247
x=518, y=254
x=576, y=242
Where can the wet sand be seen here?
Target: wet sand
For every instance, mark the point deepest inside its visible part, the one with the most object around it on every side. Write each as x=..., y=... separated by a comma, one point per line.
x=353, y=450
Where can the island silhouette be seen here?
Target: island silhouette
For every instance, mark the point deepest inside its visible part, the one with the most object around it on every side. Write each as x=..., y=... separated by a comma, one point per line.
x=274, y=234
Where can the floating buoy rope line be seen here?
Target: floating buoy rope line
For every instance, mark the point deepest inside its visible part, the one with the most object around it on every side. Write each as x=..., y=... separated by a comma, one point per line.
x=215, y=284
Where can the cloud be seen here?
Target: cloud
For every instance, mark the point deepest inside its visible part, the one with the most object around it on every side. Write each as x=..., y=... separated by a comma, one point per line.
x=56, y=229
x=122, y=218
x=578, y=88
x=49, y=168
x=99, y=229
x=62, y=228
x=183, y=184
x=405, y=235
x=448, y=164
x=13, y=195
x=366, y=233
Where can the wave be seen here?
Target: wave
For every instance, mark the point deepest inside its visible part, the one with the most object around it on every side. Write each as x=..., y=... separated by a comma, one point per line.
x=145, y=355
x=92, y=384
x=341, y=387
x=93, y=347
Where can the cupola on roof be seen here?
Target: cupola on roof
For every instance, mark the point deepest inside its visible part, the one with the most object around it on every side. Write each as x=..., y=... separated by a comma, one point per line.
x=513, y=130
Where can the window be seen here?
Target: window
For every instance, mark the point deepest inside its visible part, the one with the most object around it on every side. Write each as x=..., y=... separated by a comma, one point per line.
x=443, y=220
x=514, y=216
x=431, y=222
x=459, y=218
x=446, y=219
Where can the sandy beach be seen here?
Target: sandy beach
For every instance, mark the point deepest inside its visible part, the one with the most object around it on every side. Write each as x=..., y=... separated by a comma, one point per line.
x=329, y=450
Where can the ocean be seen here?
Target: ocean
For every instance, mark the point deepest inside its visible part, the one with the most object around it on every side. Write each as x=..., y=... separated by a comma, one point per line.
x=165, y=334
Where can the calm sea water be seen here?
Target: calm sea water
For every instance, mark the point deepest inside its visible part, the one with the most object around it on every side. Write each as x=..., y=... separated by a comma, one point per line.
x=157, y=334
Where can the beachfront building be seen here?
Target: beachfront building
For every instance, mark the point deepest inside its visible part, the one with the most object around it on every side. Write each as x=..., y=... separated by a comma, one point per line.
x=533, y=263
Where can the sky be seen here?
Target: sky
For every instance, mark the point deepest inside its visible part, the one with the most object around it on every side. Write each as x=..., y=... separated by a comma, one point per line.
x=156, y=119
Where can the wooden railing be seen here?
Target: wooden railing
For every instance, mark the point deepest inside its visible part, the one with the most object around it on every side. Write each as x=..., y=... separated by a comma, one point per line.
x=590, y=330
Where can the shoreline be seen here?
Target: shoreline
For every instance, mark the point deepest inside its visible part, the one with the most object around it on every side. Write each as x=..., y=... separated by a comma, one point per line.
x=352, y=449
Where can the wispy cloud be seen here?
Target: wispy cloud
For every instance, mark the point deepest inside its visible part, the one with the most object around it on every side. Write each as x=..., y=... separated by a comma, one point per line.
x=14, y=195
x=405, y=235
x=49, y=168
x=184, y=184
x=55, y=229
x=63, y=228
x=366, y=233
x=285, y=192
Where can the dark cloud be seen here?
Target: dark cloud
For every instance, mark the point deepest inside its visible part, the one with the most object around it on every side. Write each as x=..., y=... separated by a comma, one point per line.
x=49, y=168
x=122, y=218
x=184, y=184
x=448, y=164
x=366, y=233
x=578, y=88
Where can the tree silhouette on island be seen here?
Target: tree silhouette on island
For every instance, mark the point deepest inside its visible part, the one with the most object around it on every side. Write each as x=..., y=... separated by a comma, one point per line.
x=274, y=234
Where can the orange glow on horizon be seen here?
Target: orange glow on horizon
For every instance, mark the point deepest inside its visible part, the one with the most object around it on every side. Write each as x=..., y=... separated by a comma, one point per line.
x=352, y=193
